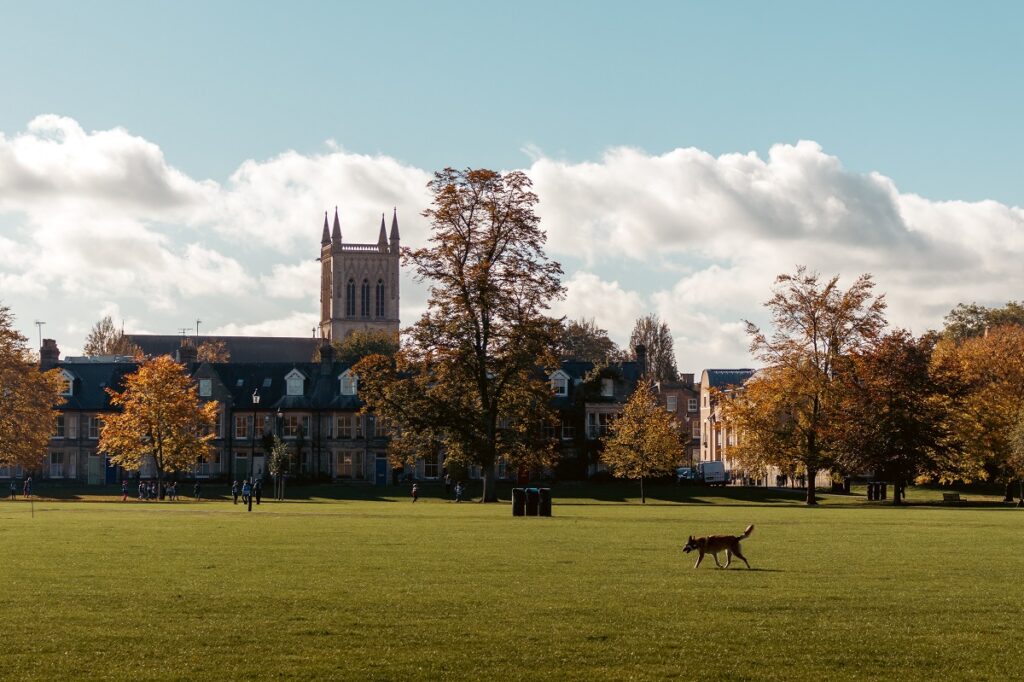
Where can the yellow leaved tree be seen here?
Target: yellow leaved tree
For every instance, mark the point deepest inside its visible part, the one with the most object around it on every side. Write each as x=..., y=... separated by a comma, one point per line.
x=643, y=441
x=27, y=399
x=161, y=420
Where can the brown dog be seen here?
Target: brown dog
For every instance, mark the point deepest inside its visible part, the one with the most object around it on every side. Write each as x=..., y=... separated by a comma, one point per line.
x=713, y=544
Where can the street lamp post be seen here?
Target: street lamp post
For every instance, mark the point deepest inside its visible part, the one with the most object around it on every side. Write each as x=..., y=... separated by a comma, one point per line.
x=284, y=471
x=252, y=453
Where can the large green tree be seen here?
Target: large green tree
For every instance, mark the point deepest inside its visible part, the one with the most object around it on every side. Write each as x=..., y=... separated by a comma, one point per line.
x=794, y=405
x=970, y=320
x=583, y=340
x=466, y=381
x=644, y=440
x=27, y=399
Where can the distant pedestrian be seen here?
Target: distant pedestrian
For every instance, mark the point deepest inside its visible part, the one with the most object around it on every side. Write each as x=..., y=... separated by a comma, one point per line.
x=26, y=490
x=459, y=490
x=172, y=491
x=124, y=490
x=257, y=490
x=415, y=492
x=142, y=490
x=246, y=491
x=14, y=488
x=198, y=491
x=234, y=492
x=447, y=486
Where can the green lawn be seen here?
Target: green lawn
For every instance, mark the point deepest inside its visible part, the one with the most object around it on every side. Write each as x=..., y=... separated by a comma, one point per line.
x=379, y=588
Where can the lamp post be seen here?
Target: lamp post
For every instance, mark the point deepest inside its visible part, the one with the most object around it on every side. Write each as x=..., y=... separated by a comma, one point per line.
x=252, y=453
x=284, y=470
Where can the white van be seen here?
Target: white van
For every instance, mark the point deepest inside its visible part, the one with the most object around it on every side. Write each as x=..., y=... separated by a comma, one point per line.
x=712, y=473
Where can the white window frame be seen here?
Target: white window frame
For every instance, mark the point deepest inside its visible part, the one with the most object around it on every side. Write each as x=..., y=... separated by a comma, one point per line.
x=348, y=383
x=205, y=388
x=242, y=426
x=69, y=385
x=560, y=384
x=95, y=426
x=691, y=405
x=59, y=427
x=607, y=387
x=672, y=403
x=295, y=382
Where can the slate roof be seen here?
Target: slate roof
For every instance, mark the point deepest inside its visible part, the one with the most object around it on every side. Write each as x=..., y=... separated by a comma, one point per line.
x=241, y=348
x=727, y=377
x=321, y=388
x=90, y=381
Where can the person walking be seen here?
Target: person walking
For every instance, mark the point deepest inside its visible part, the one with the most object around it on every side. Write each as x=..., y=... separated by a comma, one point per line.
x=415, y=492
x=447, y=486
x=124, y=490
x=14, y=488
x=234, y=492
x=198, y=491
x=459, y=489
x=257, y=489
x=26, y=490
x=246, y=491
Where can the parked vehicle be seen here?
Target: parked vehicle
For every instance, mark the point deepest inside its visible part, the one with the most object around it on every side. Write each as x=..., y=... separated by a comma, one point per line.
x=686, y=475
x=712, y=473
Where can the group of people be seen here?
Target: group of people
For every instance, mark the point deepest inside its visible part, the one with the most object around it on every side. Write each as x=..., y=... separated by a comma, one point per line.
x=247, y=489
x=26, y=488
x=150, y=490
x=459, y=489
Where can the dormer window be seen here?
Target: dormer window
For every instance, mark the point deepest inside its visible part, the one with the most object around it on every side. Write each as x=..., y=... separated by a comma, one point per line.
x=205, y=388
x=294, y=382
x=607, y=387
x=348, y=383
x=560, y=384
x=68, y=385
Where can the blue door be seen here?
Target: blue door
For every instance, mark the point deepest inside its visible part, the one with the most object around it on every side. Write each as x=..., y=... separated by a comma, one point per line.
x=381, y=477
x=111, y=471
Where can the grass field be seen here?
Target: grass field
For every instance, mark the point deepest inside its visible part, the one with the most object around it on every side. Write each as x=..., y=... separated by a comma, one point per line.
x=379, y=588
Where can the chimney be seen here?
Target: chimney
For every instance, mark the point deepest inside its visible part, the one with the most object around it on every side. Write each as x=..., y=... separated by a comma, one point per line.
x=326, y=356
x=641, y=358
x=49, y=355
x=187, y=353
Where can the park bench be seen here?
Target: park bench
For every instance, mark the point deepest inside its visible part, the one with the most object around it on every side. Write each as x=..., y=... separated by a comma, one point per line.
x=951, y=497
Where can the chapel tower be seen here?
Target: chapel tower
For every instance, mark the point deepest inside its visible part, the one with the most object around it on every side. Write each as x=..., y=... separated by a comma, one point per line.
x=358, y=282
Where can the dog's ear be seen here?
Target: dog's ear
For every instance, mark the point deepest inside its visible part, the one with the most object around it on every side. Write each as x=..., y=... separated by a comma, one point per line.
x=691, y=539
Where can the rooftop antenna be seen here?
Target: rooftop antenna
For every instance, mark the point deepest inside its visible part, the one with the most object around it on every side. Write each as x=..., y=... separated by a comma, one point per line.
x=39, y=325
x=197, y=327
x=314, y=332
x=184, y=330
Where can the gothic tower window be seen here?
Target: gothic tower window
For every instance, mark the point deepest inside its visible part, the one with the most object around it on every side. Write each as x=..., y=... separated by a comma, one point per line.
x=380, y=298
x=350, y=298
x=364, y=299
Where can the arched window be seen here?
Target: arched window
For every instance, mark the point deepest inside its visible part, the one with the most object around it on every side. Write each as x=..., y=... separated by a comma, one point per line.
x=380, y=298
x=350, y=298
x=364, y=299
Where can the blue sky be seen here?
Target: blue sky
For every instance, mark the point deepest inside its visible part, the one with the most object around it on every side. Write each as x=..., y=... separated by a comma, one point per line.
x=912, y=113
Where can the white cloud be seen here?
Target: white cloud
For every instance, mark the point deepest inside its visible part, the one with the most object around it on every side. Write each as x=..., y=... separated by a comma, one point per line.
x=294, y=324
x=87, y=218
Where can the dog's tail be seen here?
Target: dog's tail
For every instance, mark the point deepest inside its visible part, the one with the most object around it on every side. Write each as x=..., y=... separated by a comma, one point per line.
x=748, y=531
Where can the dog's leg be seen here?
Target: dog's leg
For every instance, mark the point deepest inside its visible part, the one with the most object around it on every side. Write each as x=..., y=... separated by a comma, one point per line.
x=700, y=558
x=740, y=555
x=715, y=555
x=728, y=558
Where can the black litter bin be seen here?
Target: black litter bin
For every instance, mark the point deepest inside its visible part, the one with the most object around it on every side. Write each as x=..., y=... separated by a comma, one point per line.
x=518, y=502
x=545, y=501
x=532, y=501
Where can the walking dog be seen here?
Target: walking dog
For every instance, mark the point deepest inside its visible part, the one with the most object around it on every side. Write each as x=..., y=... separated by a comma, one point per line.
x=713, y=544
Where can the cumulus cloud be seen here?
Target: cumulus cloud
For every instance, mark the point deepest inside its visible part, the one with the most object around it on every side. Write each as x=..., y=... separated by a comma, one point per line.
x=89, y=217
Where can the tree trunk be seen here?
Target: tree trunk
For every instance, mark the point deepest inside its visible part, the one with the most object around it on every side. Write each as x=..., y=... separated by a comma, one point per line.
x=896, y=490
x=1020, y=500
x=490, y=491
x=811, y=475
x=643, y=498
x=1008, y=497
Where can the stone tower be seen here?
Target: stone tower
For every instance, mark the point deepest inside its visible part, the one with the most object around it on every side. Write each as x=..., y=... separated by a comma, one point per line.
x=358, y=282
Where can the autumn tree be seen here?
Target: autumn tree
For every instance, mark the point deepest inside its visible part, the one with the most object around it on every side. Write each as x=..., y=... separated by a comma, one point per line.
x=583, y=340
x=643, y=441
x=969, y=320
x=1016, y=459
x=468, y=378
x=891, y=411
x=106, y=339
x=794, y=403
x=652, y=333
x=213, y=350
x=983, y=380
x=27, y=399
x=161, y=420
x=360, y=344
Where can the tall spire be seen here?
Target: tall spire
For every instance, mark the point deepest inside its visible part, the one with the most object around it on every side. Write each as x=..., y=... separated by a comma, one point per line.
x=326, y=239
x=336, y=232
x=382, y=240
x=394, y=225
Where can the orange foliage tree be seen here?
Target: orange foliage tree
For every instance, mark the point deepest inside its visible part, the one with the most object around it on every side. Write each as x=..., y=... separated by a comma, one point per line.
x=161, y=420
